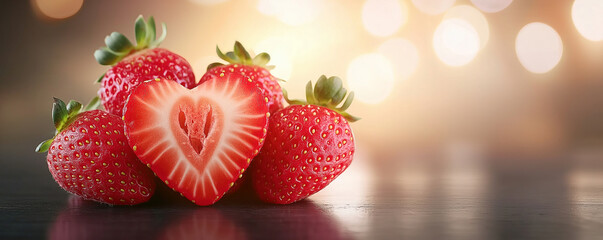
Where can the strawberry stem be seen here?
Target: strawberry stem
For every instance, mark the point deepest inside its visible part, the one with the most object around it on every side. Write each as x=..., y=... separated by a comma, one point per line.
x=118, y=45
x=241, y=56
x=63, y=114
x=329, y=93
x=59, y=113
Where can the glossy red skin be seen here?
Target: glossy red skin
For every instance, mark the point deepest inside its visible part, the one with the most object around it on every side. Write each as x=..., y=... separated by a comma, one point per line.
x=118, y=82
x=91, y=158
x=306, y=148
x=267, y=83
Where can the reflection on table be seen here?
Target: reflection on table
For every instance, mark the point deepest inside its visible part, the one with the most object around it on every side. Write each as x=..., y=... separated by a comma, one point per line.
x=459, y=192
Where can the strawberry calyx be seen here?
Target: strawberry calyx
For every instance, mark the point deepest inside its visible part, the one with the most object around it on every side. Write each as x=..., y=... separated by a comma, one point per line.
x=329, y=93
x=241, y=56
x=118, y=45
x=63, y=114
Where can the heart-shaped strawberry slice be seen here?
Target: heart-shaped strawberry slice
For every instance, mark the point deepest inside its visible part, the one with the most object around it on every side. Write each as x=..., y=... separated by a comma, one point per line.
x=197, y=141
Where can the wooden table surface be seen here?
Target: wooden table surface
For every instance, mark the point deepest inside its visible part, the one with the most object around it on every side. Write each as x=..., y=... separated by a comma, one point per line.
x=405, y=199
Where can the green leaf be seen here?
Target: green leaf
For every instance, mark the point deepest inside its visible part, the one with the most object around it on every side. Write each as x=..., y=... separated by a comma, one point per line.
x=233, y=56
x=310, y=94
x=224, y=56
x=140, y=29
x=349, y=117
x=292, y=102
x=261, y=59
x=335, y=83
x=151, y=30
x=213, y=65
x=241, y=53
x=73, y=107
x=156, y=43
x=100, y=79
x=93, y=104
x=347, y=102
x=117, y=42
x=323, y=91
x=44, y=146
x=328, y=92
x=59, y=113
x=105, y=56
x=338, y=97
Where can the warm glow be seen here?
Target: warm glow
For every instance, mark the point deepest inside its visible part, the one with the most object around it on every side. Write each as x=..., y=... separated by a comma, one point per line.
x=208, y=2
x=403, y=55
x=352, y=188
x=371, y=78
x=200, y=65
x=491, y=6
x=588, y=18
x=456, y=42
x=58, y=9
x=539, y=47
x=474, y=17
x=281, y=56
x=383, y=17
x=433, y=7
x=291, y=12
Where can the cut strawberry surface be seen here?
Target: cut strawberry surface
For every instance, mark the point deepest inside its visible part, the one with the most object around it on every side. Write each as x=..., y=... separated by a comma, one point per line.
x=197, y=141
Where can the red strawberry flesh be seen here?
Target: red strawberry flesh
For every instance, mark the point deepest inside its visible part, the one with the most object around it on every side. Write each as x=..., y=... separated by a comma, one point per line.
x=262, y=78
x=197, y=141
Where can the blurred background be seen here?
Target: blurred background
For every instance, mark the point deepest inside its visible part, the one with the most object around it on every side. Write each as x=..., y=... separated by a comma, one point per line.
x=495, y=76
x=464, y=103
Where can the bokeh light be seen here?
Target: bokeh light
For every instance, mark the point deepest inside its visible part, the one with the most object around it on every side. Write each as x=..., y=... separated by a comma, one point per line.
x=371, y=78
x=383, y=17
x=58, y=9
x=208, y=2
x=456, y=42
x=292, y=12
x=538, y=47
x=403, y=55
x=200, y=65
x=491, y=6
x=588, y=18
x=433, y=7
x=474, y=17
x=281, y=55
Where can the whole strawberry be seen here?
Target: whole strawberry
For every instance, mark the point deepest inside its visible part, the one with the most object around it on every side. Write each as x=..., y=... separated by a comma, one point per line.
x=131, y=65
x=307, y=146
x=90, y=157
x=254, y=68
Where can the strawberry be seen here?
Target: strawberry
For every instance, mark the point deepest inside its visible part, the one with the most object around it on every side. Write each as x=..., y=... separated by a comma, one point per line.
x=307, y=146
x=197, y=141
x=90, y=157
x=133, y=64
x=254, y=68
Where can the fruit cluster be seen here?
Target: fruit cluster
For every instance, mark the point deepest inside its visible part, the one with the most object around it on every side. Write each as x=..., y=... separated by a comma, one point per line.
x=202, y=139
